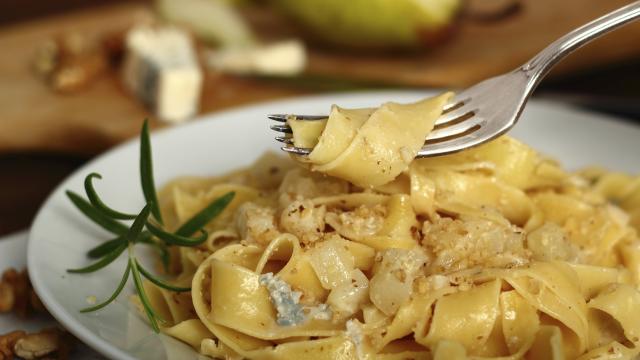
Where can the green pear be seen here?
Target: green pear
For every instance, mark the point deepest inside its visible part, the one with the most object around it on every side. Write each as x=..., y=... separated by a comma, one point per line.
x=373, y=23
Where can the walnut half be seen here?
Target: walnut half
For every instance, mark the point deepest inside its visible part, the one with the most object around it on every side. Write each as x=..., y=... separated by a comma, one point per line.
x=7, y=342
x=17, y=295
x=51, y=343
x=33, y=346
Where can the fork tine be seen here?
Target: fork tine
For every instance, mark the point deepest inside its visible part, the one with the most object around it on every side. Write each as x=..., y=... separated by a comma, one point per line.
x=311, y=117
x=278, y=117
x=452, y=106
x=453, y=116
x=459, y=128
x=282, y=128
x=284, y=139
x=284, y=117
x=450, y=146
x=296, y=150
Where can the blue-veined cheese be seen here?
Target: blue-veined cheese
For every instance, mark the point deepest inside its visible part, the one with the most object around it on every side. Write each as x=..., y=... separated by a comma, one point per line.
x=285, y=300
x=287, y=303
x=162, y=70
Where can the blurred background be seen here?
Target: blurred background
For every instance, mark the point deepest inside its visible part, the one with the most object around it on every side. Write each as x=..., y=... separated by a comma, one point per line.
x=78, y=76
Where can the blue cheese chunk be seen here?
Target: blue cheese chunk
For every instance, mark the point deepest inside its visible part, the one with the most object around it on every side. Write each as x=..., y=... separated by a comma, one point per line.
x=285, y=300
x=321, y=312
x=356, y=335
x=162, y=70
x=287, y=303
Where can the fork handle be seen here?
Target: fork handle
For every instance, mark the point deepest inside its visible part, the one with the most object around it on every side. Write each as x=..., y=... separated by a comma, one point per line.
x=539, y=65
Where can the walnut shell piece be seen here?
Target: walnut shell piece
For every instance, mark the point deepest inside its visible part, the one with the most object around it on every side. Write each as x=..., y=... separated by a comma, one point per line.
x=17, y=294
x=7, y=297
x=7, y=342
x=33, y=346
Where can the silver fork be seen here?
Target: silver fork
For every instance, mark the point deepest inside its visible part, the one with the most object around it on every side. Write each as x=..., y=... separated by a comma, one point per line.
x=492, y=107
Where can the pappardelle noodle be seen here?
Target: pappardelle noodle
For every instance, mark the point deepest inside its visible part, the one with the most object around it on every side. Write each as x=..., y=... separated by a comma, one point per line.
x=365, y=253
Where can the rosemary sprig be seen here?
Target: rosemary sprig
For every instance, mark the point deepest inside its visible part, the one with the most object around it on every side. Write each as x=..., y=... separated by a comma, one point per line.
x=146, y=172
x=127, y=236
x=138, y=224
x=104, y=261
x=113, y=296
x=174, y=239
x=156, y=280
x=146, y=304
x=105, y=248
x=96, y=215
x=98, y=204
x=205, y=215
x=132, y=235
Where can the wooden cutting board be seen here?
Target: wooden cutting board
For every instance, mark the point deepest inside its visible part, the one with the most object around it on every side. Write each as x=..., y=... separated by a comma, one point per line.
x=33, y=118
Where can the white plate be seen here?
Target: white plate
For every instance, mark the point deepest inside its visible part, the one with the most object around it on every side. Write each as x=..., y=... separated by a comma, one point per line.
x=221, y=142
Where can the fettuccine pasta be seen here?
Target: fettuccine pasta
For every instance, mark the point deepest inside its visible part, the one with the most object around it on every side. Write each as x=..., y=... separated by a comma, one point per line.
x=491, y=253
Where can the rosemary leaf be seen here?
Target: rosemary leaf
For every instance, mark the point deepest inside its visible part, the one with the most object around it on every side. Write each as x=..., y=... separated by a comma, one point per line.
x=199, y=220
x=174, y=239
x=146, y=172
x=97, y=202
x=105, y=248
x=135, y=231
x=104, y=261
x=153, y=317
x=113, y=296
x=97, y=216
x=156, y=280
